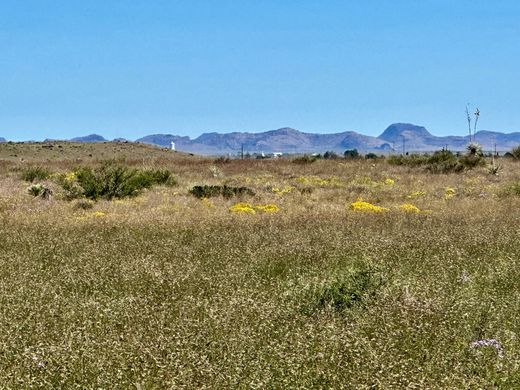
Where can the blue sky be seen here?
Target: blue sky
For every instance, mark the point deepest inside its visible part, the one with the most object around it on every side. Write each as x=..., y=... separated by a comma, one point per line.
x=125, y=68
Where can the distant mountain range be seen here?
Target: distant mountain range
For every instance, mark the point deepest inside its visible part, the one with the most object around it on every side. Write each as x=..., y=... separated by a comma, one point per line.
x=287, y=140
x=398, y=136
x=3, y=139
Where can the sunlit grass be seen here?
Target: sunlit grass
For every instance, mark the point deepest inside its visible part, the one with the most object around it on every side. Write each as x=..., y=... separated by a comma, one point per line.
x=166, y=290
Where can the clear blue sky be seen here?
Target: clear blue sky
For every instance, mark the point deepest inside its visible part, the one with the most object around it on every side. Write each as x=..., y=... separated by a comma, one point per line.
x=125, y=68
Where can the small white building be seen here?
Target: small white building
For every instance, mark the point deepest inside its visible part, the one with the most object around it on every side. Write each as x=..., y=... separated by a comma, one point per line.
x=173, y=146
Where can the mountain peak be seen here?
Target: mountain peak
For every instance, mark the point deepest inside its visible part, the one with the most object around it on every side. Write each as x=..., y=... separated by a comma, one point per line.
x=89, y=138
x=397, y=131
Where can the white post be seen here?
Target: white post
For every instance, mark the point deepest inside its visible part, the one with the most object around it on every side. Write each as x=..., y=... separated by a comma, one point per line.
x=173, y=146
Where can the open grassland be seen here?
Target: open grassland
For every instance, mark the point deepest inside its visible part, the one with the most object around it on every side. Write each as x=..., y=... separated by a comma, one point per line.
x=166, y=290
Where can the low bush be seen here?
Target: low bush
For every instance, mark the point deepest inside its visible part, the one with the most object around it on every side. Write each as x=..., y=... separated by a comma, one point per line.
x=39, y=190
x=111, y=181
x=227, y=192
x=442, y=161
x=351, y=154
x=33, y=173
x=515, y=153
x=346, y=292
x=304, y=160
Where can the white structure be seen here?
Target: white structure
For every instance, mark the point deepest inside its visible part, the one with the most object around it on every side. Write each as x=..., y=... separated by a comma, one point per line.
x=173, y=146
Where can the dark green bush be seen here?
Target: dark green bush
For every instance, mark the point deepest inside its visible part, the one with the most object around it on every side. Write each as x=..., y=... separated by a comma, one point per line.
x=515, y=152
x=412, y=160
x=112, y=181
x=351, y=153
x=304, y=160
x=441, y=161
x=346, y=292
x=330, y=155
x=371, y=156
x=31, y=174
x=206, y=191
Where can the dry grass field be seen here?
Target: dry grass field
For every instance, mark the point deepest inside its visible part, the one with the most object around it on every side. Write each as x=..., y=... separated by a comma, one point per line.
x=302, y=285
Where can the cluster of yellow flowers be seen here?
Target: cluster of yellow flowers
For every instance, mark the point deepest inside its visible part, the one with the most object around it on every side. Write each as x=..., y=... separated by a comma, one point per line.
x=287, y=189
x=208, y=203
x=409, y=208
x=247, y=208
x=71, y=176
x=389, y=182
x=363, y=206
x=449, y=193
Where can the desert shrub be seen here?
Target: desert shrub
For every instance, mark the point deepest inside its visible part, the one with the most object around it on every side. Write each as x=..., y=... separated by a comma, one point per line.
x=515, y=152
x=412, y=160
x=330, y=155
x=304, y=160
x=371, y=156
x=111, y=181
x=206, y=191
x=33, y=173
x=346, y=292
x=470, y=161
x=351, y=153
x=39, y=190
x=443, y=161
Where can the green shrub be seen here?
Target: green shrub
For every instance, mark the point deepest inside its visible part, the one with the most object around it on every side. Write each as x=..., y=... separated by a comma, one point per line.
x=39, y=190
x=351, y=153
x=330, y=155
x=371, y=156
x=304, y=160
x=412, y=160
x=112, y=181
x=206, y=191
x=31, y=174
x=346, y=292
x=443, y=161
x=515, y=152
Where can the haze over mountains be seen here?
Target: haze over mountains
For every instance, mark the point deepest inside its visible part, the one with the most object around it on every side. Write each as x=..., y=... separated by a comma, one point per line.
x=287, y=140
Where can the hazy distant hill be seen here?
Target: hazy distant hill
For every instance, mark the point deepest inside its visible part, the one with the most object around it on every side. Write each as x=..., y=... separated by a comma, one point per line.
x=287, y=140
x=89, y=138
x=2, y=139
x=282, y=140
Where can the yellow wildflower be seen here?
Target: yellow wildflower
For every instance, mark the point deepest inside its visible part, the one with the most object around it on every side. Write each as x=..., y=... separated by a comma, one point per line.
x=449, y=193
x=71, y=176
x=242, y=208
x=409, y=208
x=208, y=203
x=389, y=182
x=287, y=189
x=99, y=214
x=268, y=208
x=360, y=205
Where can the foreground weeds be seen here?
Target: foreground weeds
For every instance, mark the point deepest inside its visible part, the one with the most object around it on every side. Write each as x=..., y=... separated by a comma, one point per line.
x=166, y=290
